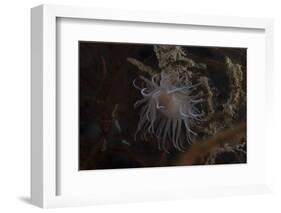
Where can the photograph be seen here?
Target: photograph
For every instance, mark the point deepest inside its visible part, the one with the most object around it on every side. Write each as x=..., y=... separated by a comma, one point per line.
x=160, y=105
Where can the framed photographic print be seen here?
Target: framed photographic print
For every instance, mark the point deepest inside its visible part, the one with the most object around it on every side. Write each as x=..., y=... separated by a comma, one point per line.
x=133, y=105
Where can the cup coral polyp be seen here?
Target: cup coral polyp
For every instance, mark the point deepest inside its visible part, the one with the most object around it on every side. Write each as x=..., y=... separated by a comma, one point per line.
x=168, y=109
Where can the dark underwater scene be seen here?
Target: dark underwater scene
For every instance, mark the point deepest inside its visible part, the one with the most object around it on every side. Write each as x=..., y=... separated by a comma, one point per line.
x=145, y=105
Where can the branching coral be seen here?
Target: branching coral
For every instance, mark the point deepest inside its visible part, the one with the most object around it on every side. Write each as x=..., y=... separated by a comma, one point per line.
x=172, y=57
x=141, y=66
x=226, y=153
x=235, y=76
x=198, y=152
x=209, y=94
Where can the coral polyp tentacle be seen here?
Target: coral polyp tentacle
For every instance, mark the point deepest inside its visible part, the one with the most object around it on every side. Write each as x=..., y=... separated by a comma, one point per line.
x=145, y=94
x=136, y=86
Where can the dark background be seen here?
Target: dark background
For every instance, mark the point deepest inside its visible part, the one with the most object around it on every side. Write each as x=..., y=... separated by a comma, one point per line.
x=106, y=96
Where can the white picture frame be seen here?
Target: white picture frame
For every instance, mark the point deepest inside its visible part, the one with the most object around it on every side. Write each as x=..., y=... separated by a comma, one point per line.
x=44, y=154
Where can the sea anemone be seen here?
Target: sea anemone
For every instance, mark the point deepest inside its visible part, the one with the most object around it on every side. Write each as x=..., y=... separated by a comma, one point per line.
x=168, y=109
